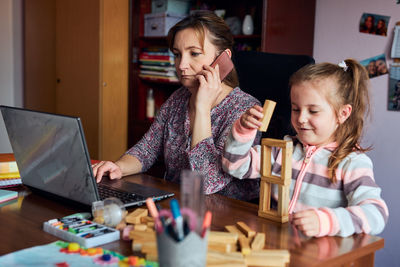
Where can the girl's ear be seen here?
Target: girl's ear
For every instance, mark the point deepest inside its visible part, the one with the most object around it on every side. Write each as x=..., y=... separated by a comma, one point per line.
x=344, y=113
x=229, y=52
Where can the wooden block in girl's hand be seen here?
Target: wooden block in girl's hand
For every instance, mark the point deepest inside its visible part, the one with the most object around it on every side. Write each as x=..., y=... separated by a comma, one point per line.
x=268, y=109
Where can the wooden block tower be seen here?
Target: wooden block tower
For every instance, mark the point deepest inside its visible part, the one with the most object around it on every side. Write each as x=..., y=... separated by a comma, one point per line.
x=267, y=179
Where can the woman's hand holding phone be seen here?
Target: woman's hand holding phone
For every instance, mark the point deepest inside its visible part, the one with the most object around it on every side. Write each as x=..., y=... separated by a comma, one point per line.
x=210, y=80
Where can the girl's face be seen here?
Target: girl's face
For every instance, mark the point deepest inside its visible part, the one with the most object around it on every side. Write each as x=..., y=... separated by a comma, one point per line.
x=191, y=55
x=313, y=117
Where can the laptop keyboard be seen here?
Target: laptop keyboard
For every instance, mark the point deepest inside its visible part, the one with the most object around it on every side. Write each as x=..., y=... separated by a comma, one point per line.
x=125, y=197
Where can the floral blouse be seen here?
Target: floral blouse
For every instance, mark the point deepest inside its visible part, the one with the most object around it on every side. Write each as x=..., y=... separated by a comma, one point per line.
x=169, y=136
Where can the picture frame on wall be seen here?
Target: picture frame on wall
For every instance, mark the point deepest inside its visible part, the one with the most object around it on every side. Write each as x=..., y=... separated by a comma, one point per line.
x=374, y=24
x=394, y=88
x=375, y=66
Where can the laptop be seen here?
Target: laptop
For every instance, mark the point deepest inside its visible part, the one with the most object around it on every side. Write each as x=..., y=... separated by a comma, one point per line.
x=52, y=158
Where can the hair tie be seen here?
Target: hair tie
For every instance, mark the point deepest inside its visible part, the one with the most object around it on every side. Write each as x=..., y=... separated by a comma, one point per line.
x=343, y=65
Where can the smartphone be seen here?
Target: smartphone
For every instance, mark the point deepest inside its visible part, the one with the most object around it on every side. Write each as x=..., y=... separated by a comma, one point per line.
x=225, y=64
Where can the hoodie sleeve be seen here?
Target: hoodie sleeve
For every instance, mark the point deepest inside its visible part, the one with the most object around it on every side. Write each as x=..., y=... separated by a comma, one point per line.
x=240, y=159
x=366, y=211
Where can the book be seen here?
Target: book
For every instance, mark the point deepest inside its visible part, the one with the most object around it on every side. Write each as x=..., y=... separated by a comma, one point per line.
x=158, y=78
x=6, y=195
x=10, y=182
x=9, y=170
x=9, y=174
x=157, y=68
x=143, y=56
x=159, y=73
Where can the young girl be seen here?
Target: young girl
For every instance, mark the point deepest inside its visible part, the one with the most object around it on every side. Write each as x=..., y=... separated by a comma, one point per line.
x=333, y=191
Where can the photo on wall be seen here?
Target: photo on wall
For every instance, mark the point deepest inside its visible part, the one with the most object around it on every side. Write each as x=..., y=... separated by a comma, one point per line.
x=394, y=88
x=376, y=66
x=374, y=24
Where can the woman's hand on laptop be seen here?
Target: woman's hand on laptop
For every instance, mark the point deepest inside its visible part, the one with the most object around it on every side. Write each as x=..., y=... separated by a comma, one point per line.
x=126, y=165
x=106, y=168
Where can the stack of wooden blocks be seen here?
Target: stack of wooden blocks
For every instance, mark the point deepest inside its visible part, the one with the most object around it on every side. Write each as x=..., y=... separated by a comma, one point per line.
x=242, y=246
x=238, y=246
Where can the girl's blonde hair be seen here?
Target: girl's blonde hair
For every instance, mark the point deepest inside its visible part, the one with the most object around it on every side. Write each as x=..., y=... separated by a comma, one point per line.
x=352, y=88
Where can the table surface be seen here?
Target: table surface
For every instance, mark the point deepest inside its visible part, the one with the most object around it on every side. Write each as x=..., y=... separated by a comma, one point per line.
x=22, y=222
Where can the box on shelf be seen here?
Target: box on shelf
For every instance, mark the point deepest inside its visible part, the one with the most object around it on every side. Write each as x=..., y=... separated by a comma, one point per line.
x=177, y=6
x=158, y=24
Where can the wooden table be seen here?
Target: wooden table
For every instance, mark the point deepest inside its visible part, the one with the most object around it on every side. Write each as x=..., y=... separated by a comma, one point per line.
x=21, y=227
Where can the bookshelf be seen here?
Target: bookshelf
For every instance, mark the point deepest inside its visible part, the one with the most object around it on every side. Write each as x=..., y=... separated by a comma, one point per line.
x=280, y=26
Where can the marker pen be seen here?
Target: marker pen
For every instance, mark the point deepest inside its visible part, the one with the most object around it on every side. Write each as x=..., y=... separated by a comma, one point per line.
x=206, y=223
x=176, y=213
x=154, y=213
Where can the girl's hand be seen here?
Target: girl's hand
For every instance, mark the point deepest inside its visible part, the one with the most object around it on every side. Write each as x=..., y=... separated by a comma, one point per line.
x=210, y=87
x=251, y=119
x=306, y=221
x=106, y=168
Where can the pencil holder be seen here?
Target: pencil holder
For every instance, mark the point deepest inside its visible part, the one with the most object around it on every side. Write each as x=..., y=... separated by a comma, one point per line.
x=191, y=251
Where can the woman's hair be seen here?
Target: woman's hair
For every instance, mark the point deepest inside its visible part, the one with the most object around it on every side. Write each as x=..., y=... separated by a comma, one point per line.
x=206, y=22
x=352, y=88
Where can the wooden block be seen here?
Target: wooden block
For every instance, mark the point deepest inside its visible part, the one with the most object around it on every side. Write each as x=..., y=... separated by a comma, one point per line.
x=234, y=229
x=265, y=196
x=218, y=259
x=134, y=216
x=146, y=219
x=283, y=200
x=221, y=247
x=273, y=216
x=244, y=244
x=142, y=235
x=268, y=258
x=222, y=237
x=272, y=252
x=136, y=246
x=150, y=224
x=140, y=227
x=258, y=242
x=267, y=179
x=149, y=247
x=121, y=225
x=246, y=229
x=268, y=109
x=151, y=257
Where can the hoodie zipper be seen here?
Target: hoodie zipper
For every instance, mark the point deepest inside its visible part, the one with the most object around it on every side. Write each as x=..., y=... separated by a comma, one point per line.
x=310, y=151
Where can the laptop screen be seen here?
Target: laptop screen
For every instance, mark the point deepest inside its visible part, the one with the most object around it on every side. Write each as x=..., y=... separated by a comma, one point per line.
x=51, y=153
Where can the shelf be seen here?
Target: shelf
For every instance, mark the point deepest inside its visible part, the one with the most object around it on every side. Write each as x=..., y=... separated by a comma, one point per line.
x=159, y=81
x=164, y=38
x=242, y=36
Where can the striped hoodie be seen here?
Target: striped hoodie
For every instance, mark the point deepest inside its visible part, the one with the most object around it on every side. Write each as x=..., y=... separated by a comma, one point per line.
x=351, y=205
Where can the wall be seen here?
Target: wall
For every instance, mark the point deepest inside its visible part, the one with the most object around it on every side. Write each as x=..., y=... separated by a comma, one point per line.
x=10, y=61
x=336, y=38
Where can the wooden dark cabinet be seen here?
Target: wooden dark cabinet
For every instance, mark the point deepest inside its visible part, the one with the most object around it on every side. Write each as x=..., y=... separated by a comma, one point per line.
x=280, y=26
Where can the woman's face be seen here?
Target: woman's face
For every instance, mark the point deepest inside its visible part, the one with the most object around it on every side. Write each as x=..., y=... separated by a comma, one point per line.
x=381, y=66
x=380, y=24
x=369, y=22
x=371, y=68
x=191, y=56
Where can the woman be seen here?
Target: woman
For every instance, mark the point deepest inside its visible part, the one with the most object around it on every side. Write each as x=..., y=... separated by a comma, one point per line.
x=192, y=125
x=368, y=25
x=381, y=27
x=381, y=68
